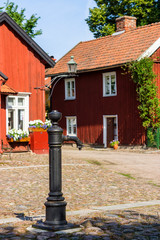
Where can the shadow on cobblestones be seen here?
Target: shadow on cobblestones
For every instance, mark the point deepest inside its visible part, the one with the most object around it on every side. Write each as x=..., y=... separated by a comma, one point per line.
x=126, y=225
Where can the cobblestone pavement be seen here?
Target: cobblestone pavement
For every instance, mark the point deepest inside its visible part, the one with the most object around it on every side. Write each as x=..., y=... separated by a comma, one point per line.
x=89, y=180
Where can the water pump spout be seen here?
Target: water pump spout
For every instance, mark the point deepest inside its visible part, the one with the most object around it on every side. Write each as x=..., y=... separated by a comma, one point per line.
x=75, y=139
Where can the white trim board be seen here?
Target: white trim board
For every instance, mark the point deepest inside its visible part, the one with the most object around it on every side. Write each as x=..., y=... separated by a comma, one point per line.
x=150, y=50
x=105, y=127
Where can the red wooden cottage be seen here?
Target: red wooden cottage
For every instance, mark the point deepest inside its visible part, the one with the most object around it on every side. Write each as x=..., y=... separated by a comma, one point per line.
x=22, y=66
x=99, y=104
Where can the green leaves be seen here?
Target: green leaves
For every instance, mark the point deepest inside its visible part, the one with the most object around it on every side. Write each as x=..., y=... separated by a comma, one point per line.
x=101, y=20
x=28, y=25
x=149, y=106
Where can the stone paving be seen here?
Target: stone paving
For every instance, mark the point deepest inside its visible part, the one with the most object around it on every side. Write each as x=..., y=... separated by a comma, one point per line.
x=87, y=183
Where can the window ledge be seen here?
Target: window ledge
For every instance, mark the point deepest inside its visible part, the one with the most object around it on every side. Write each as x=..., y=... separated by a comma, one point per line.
x=72, y=135
x=110, y=95
x=66, y=99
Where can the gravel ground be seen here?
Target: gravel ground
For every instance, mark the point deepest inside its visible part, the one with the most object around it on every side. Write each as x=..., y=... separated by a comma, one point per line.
x=90, y=178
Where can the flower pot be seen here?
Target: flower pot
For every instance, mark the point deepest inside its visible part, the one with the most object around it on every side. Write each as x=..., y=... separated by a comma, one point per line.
x=37, y=129
x=115, y=146
x=39, y=142
x=26, y=139
x=21, y=145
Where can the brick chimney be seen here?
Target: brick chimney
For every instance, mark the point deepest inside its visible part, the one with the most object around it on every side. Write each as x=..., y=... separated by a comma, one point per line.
x=125, y=23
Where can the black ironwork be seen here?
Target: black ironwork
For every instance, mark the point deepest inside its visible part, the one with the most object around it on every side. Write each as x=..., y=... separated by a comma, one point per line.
x=55, y=204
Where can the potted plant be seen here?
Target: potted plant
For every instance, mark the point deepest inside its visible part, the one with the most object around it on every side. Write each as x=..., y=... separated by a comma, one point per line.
x=19, y=140
x=114, y=144
x=39, y=126
x=15, y=135
x=39, y=136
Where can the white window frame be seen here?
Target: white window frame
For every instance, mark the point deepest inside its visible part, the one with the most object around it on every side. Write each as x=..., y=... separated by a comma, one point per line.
x=70, y=118
x=25, y=107
x=105, y=128
x=71, y=97
x=104, y=84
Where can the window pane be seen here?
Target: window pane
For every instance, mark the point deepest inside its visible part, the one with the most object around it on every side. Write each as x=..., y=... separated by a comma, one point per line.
x=112, y=78
x=74, y=126
x=73, y=89
x=68, y=89
x=10, y=119
x=17, y=110
x=11, y=101
x=113, y=84
x=20, y=101
x=110, y=84
x=107, y=85
x=74, y=129
x=71, y=126
x=113, y=90
x=20, y=119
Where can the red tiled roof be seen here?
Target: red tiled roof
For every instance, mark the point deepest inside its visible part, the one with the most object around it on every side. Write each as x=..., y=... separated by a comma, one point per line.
x=110, y=50
x=5, y=89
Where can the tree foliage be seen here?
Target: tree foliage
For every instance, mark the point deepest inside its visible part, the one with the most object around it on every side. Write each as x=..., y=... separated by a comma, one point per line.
x=28, y=25
x=101, y=20
x=149, y=106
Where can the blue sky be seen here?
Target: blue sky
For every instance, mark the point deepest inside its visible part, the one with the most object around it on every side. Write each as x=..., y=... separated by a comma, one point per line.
x=62, y=22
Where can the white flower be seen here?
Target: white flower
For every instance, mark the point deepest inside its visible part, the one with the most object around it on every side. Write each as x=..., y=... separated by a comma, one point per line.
x=17, y=134
x=48, y=123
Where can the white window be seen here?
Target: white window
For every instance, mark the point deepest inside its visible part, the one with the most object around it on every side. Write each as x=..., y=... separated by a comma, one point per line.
x=71, y=126
x=70, y=92
x=17, y=112
x=109, y=84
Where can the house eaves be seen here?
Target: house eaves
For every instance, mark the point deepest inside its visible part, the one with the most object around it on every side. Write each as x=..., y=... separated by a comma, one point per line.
x=87, y=70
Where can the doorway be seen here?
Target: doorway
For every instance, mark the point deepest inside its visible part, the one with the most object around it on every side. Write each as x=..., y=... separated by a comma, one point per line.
x=110, y=129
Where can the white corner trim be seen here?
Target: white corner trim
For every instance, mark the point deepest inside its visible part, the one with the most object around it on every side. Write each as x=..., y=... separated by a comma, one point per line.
x=150, y=50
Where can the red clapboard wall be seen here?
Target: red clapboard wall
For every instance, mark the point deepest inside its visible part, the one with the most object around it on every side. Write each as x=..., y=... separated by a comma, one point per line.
x=23, y=62
x=24, y=69
x=90, y=106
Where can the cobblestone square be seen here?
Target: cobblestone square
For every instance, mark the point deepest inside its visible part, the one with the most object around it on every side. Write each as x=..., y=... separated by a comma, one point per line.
x=91, y=178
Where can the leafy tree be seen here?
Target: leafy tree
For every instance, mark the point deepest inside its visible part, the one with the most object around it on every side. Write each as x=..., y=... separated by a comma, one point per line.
x=101, y=20
x=28, y=25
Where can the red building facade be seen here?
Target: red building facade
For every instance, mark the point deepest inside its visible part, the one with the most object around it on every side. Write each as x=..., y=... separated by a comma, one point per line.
x=100, y=103
x=100, y=119
x=24, y=63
